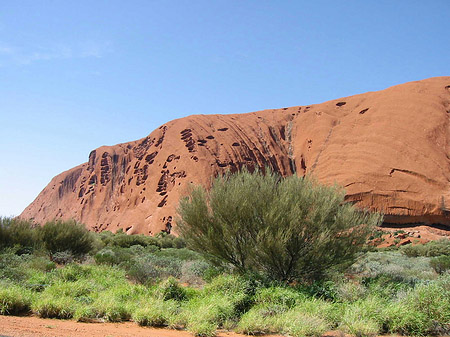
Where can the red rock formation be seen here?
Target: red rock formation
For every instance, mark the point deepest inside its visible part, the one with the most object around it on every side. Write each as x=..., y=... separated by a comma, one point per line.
x=389, y=149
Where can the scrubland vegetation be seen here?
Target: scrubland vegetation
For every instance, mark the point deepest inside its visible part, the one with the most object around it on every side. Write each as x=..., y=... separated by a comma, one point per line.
x=63, y=271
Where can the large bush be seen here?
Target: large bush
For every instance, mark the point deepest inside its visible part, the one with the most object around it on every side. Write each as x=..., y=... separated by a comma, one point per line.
x=18, y=233
x=61, y=236
x=286, y=228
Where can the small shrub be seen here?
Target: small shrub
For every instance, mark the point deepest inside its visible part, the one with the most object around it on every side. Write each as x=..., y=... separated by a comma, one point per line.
x=301, y=324
x=193, y=272
x=359, y=327
x=170, y=289
x=15, y=300
x=60, y=236
x=155, y=313
x=255, y=322
x=429, y=249
x=72, y=272
x=19, y=233
x=41, y=263
x=364, y=317
x=349, y=291
x=152, y=268
x=62, y=307
x=109, y=309
x=64, y=257
x=123, y=240
x=280, y=296
x=440, y=264
x=203, y=328
x=11, y=267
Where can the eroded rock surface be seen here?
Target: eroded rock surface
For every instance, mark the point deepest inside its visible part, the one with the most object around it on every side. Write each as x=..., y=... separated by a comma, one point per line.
x=390, y=150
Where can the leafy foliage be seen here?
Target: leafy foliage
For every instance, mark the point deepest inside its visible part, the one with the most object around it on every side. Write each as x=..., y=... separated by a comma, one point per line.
x=60, y=236
x=429, y=249
x=285, y=228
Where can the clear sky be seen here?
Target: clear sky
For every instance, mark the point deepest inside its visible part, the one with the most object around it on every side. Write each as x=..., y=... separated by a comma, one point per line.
x=75, y=75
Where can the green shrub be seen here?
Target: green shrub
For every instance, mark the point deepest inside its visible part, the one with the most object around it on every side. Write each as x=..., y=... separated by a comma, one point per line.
x=19, y=233
x=393, y=267
x=205, y=313
x=123, y=240
x=152, y=268
x=194, y=272
x=15, y=300
x=62, y=307
x=285, y=228
x=349, y=291
x=11, y=267
x=424, y=310
x=155, y=313
x=430, y=249
x=302, y=324
x=113, y=256
x=280, y=296
x=440, y=263
x=364, y=317
x=109, y=309
x=170, y=289
x=64, y=257
x=60, y=236
x=258, y=320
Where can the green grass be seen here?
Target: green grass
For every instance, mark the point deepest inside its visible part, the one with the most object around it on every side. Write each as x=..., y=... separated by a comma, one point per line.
x=386, y=293
x=14, y=300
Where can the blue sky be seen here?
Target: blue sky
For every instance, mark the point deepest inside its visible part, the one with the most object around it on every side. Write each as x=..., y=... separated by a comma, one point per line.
x=75, y=75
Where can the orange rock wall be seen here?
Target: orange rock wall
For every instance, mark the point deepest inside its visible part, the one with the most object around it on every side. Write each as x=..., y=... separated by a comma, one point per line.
x=390, y=150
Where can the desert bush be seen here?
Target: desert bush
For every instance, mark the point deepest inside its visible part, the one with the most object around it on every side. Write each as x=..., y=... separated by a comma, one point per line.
x=364, y=317
x=11, y=267
x=124, y=240
x=424, y=310
x=155, y=312
x=205, y=314
x=40, y=263
x=440, y=264
x=165, y=240
x=258, y=320
x=60, y=236
x=18, y=233
x=113, y=256
x=429, y=249
x=62, y=307
x=300, y=324
x=350, y=291
x=393, y=266
x=285, y=228
x=170, y=289
x=15, y=300
x=151, y=268
x=108, y=309
x=194, y=272
x=64, y=257
x=280, y=296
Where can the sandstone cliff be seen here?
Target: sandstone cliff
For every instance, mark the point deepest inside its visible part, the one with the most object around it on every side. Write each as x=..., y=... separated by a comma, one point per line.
x=390, y=150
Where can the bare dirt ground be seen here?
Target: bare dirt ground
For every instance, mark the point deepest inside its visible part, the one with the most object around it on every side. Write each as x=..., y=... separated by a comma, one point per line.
x=13, y=326
x=31, y=326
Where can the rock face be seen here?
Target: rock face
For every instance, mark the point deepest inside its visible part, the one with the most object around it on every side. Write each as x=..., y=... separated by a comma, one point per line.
x=390, y=150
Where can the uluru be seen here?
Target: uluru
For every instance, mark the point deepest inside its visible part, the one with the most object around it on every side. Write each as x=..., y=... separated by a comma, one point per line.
x=389, y=149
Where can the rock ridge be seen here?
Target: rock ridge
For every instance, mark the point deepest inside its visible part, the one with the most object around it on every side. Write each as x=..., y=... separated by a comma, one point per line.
x=389, y=149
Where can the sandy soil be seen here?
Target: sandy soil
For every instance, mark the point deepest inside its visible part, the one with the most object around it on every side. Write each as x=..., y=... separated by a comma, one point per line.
x=13, y=326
